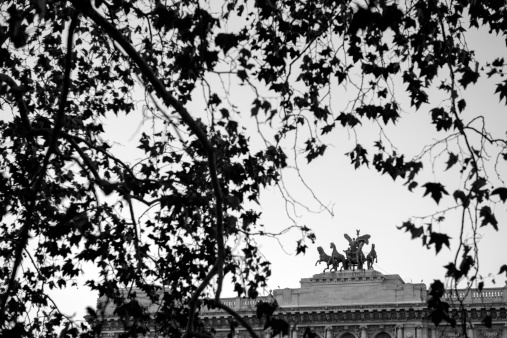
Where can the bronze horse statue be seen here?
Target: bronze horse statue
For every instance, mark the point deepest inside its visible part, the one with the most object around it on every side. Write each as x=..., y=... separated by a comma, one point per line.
x=372, y=256
x=354, y=256
x=339, y=258
x=324, y=257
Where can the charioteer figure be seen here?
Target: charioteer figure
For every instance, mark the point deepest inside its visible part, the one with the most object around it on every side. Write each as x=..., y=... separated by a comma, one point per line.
x=355, y=253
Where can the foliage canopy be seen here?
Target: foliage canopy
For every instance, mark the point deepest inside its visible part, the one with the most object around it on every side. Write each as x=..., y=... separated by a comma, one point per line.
x=184, y=215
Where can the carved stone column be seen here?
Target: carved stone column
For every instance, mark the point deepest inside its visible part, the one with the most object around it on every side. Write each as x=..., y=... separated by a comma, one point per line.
x=434, y=333
x=295, y=332
x=504, y=331
x=418, y=331
x=399, y=331
x=424, y=332
x=267, y=334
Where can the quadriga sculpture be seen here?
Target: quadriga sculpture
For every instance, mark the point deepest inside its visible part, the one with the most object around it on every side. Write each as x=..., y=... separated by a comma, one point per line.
x=354, y=256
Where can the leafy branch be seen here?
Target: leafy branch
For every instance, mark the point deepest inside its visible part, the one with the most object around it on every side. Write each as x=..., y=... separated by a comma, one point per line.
x=38, y=179
x=200, y=134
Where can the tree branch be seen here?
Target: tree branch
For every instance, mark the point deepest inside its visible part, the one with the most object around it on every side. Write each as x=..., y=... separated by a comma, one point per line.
x=169, y=100
x=486, y=137
x=136, y=239
x=25, y=229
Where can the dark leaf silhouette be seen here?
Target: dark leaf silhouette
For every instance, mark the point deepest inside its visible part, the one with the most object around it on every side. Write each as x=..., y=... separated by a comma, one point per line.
x=239, y=289
x=91, y=312
x=279, y=327
x=452, y=271
x=438, y=310
x=501, y=192
x=348, y=120
x=487, y=321
x=412, y=185
x=361, y=19
x=436, y=190
x=301, y=247
x=503, y=269
x=358, y=156
x=461, y=105
x=226, y=41
x=265, y=309
x=469, y=76
x=439, y=240
x=441, y=119
x=501, y=89
x=415, y=231
x=453, y=159
x=437, y=289
x=460, y=195
x=488, y=217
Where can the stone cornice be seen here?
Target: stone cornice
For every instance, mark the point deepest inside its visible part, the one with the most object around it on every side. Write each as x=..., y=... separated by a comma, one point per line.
x=361, y=308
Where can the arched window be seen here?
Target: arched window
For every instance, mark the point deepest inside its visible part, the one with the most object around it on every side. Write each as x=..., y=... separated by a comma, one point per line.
x=383, y=335
x=348, y=335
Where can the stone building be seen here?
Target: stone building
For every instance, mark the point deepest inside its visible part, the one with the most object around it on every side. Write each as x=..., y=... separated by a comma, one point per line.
x=358, y=304
x=368, y=304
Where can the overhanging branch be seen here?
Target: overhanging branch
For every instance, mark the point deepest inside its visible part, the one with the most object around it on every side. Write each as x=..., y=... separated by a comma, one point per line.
x=170, y=100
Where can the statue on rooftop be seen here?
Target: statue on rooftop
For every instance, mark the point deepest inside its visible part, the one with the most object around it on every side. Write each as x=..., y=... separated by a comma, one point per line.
x=324, y=257
x=354, y=253
x=354, y=256
x=339, y=258
x=372, y=256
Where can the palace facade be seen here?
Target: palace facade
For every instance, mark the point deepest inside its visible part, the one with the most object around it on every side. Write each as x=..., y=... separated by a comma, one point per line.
x=359, y=304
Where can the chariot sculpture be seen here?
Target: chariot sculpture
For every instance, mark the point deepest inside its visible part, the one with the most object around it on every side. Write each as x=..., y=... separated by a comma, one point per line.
x=354, y=257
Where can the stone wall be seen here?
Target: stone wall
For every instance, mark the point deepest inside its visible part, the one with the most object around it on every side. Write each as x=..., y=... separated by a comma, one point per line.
x=352, y=288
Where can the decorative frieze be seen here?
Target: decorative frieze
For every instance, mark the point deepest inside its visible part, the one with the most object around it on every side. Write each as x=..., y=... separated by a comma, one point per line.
x=317, y=316
x=489, y=333
x=451, y=333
